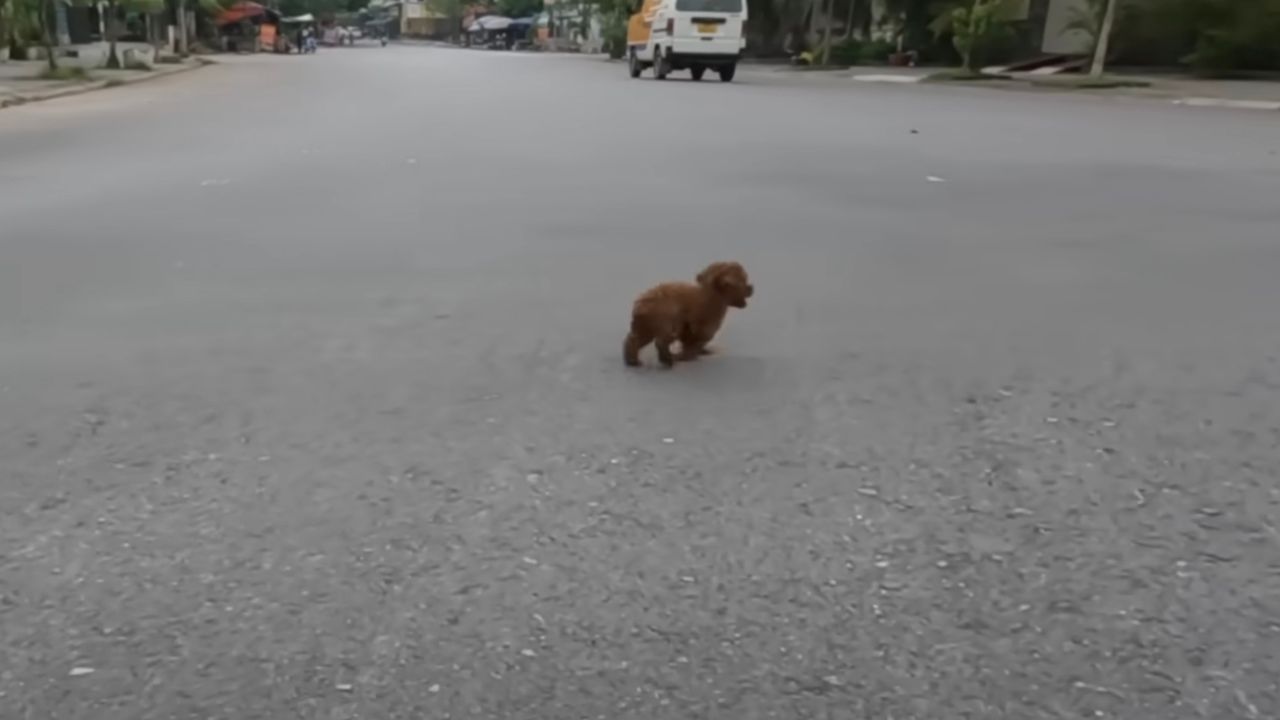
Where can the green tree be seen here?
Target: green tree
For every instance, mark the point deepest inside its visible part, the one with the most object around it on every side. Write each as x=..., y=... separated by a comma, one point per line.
x=613, y=16
x=43, y=10
x=24, y=25
x=519, y=8
x=4, y=28
x=973, y=24
x=857, y=19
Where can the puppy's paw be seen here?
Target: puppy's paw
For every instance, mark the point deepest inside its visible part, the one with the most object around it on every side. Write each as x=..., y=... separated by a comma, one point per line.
x=690, y=354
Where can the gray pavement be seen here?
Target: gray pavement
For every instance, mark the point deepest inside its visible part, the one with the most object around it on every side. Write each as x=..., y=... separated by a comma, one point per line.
x=312, y=403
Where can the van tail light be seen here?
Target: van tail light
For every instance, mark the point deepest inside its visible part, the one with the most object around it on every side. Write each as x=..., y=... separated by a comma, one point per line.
x=671, y=26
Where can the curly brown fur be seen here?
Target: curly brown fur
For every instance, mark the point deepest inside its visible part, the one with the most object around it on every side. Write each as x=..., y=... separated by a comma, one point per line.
x=688, y=312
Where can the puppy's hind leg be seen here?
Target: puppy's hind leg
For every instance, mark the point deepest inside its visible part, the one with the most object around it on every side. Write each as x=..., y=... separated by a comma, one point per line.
x=636, y=340
x=663, y=344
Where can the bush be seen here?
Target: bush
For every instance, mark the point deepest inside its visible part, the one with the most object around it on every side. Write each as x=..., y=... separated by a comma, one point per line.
x=876, y=52
x=848, y=52
x=1214, y=37
x=861, y=52
x=1001, y=45
x=1238, y=36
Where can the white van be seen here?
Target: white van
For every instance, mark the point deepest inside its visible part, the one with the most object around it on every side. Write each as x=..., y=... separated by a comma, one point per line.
x=693, y=35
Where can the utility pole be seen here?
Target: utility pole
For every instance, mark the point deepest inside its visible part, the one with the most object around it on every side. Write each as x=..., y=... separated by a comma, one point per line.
x=1104, y=40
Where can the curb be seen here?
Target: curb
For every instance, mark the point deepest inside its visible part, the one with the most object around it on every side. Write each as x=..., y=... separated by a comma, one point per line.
x=899, y=79
x=91, y=86
x=1206, y=102
x=1272, y=105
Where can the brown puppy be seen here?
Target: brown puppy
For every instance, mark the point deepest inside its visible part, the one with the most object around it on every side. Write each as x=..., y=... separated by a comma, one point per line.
x=688, y=312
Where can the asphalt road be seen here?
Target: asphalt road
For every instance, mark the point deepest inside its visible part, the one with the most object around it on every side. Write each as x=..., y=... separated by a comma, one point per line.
x=312, y=402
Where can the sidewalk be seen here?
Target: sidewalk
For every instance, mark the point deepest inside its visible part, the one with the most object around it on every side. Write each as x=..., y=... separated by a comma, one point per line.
x=1179, y=89
x=20, y=81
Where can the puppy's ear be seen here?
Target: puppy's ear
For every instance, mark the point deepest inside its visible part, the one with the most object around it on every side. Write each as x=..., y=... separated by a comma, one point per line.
x=710, y=276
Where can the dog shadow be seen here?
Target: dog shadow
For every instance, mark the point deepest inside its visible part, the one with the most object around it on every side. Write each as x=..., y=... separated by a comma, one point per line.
x=714, y=374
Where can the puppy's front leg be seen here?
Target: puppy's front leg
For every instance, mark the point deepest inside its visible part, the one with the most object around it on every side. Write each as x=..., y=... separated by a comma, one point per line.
x=690, y=351
x=692, y=345
x=663, y=345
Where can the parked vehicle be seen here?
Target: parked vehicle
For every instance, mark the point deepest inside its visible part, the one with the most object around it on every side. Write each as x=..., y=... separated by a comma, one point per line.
x=693, y=35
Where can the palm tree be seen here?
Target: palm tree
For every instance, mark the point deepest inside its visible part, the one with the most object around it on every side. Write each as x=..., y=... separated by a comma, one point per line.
x=858, y=15
x=44, y=9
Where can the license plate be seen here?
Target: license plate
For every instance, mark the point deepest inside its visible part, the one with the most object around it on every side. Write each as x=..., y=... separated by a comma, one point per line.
x=708, y=28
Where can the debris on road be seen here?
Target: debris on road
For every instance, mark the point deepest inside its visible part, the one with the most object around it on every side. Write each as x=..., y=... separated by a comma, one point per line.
x=80, y=671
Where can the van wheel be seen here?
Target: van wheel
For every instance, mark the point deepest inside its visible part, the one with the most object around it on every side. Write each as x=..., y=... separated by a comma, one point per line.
x=633, y=64
x=698, y=71
x=661, y=65
x=726, y=73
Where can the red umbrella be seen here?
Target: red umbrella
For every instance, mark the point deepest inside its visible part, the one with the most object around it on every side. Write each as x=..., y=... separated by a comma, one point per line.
x=240, y=11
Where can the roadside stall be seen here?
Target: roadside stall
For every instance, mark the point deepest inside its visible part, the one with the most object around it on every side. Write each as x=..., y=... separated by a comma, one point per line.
x=519, y=33
x=248, y=27
x=490, y=32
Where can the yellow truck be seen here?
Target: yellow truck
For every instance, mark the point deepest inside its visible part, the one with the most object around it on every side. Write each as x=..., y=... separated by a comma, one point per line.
x=693, y=35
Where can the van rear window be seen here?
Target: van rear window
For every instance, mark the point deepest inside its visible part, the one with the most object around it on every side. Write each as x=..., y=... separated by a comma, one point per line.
x=720, y=6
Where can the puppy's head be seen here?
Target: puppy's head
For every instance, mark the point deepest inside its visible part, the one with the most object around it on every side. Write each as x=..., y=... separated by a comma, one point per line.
x=729, y=281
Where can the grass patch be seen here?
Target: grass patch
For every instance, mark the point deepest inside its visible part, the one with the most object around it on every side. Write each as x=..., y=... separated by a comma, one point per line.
x=169, y=60
x=114, y=82
x=65, y=72
x=957, y=75
x=1084, y=82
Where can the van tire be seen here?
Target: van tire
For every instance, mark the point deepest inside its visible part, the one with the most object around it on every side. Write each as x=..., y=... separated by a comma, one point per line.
x=698, y=71
x=633, y=64
x=727, y=72
x=661, y=65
